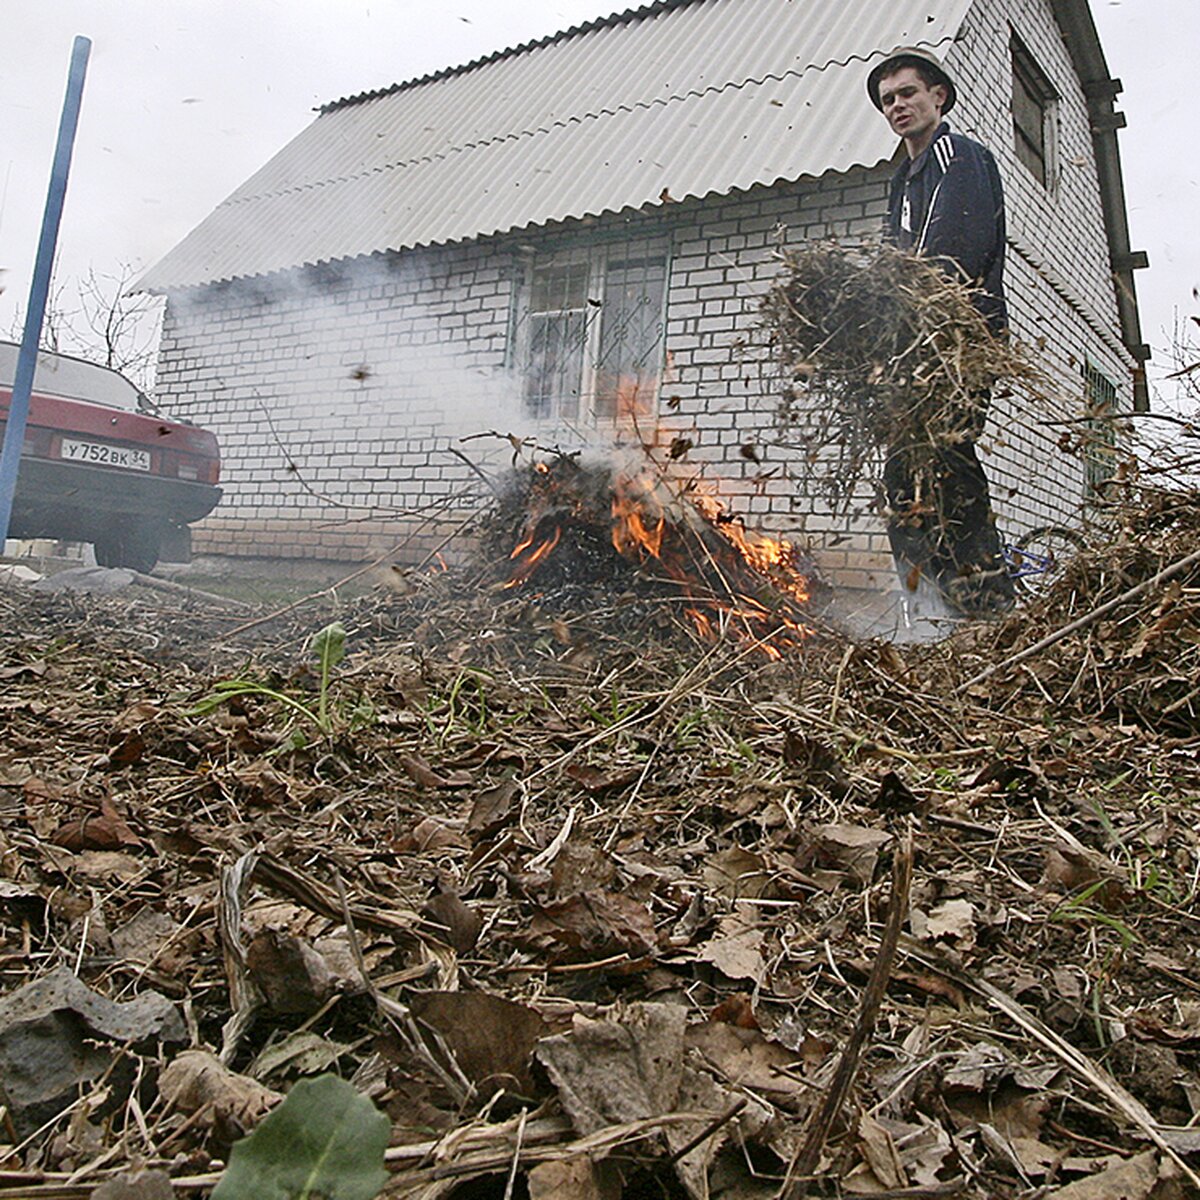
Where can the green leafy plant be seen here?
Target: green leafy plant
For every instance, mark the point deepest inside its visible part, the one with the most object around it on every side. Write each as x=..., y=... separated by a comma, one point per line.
x=329, y=648
x=326, y=1141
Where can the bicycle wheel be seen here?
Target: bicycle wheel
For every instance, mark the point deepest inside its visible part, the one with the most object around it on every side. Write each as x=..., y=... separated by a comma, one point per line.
x=1038, y=557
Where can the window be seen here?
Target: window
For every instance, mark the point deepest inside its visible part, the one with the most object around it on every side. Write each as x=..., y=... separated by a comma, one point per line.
x=1100, y=433
x=558, y=304
x=1033, y=105
x=590, y=336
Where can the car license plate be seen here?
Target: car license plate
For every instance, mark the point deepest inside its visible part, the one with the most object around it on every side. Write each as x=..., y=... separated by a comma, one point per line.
x=106, y=456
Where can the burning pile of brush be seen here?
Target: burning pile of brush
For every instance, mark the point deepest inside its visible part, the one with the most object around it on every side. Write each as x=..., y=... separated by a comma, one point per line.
x=581, y=526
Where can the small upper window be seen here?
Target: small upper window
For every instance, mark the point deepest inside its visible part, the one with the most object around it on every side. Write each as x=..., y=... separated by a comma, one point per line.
x=1032, y=111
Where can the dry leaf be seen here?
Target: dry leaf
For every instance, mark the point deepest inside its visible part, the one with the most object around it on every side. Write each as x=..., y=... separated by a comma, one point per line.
x=736, y=951
x=291, y=975
x=625, y=1068
x=597, y=925
x=262, y=786
x=136, y=715
x=136, y=1185
x=851, y=848
x=430, y=835
x=737, y=1009
x=197, y=1079
x=105, y=865
x=953, y=920
x=738, y=874
x=126, y=748
x=879, y=1152
x=746, y=1059
x=1036, y=1158
x=419, y=771
x=593, y=780
x=105, y=830
x=581, y=866
x=141, y=939
x=1137, y=1178
x=492, y=810
x=454, y=922
x=34, y=670
x=631, y=1067
x=576, y=1178
x=492, y=1039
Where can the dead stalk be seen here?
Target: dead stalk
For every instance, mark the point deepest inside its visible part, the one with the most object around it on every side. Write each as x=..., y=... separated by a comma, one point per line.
x=806, y=1162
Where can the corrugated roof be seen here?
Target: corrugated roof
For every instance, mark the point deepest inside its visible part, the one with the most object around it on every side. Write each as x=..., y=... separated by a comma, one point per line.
x=685, y=99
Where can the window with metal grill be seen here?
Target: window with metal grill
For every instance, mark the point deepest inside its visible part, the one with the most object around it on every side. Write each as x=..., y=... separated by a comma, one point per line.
x=557, y=335
x=1100, y=429
x=589, y=333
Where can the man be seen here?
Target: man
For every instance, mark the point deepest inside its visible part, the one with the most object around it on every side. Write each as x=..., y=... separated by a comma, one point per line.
x=946, y=202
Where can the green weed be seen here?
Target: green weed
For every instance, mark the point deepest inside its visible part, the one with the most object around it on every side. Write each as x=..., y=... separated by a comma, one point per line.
x=328, y=649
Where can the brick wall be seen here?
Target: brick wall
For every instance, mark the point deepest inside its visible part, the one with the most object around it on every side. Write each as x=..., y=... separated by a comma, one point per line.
x=337, y=394
x=1064, y=301
x=362, y=377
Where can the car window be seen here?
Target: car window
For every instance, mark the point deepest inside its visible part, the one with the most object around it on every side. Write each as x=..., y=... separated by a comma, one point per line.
x=72, y=378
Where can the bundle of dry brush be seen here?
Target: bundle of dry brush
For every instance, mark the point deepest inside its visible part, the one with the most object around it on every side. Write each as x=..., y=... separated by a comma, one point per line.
x=880, y=348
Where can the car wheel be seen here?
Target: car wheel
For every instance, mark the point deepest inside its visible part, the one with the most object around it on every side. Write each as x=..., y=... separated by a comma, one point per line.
x=135, y=548
x=107, y=550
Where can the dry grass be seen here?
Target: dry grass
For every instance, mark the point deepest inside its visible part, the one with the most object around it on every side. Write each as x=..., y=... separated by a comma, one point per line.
x=880, y=350
x=571, y=812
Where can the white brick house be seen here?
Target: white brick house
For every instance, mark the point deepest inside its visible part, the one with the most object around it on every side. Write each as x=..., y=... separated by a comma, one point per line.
x=521, y=243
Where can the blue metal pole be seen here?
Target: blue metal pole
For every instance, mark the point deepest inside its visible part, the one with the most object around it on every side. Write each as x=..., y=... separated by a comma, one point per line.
x=18, y=407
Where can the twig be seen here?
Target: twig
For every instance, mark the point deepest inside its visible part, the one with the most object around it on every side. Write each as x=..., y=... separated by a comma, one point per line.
x=637, y=787
x=595, y=1145
x=1083, y=622
x=688, y=684
x=472, y=467
x=469, y=519
x=962, y=826
x=400, y=1017
x=933, y=1192
x=837, y=683
x=805, y=1163
x=516, y=1157
x=245, y=998
x=396, y=921
x=181, y=589
x=368, y=510
x=709, y=1129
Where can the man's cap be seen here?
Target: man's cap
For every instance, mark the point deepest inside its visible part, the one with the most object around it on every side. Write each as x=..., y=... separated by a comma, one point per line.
x=911, y=56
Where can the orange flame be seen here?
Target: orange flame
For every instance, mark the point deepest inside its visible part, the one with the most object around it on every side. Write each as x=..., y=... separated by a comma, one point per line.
x=713, y=585
x=775, y=558
x=629, y=530
x=529, y=565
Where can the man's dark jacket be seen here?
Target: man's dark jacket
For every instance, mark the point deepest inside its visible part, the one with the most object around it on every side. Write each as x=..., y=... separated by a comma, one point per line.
x=948, y=203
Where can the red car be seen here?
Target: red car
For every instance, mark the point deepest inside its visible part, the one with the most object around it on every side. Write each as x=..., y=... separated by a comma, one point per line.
x=99, y=466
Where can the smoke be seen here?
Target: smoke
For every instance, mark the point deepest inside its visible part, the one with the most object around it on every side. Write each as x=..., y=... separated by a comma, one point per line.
x=383, y=385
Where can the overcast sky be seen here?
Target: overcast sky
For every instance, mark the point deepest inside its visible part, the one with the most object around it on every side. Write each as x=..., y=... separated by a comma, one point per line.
x=186, y=98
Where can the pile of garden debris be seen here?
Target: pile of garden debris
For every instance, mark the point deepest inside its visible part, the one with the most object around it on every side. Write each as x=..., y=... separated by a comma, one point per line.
x=588, y=907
